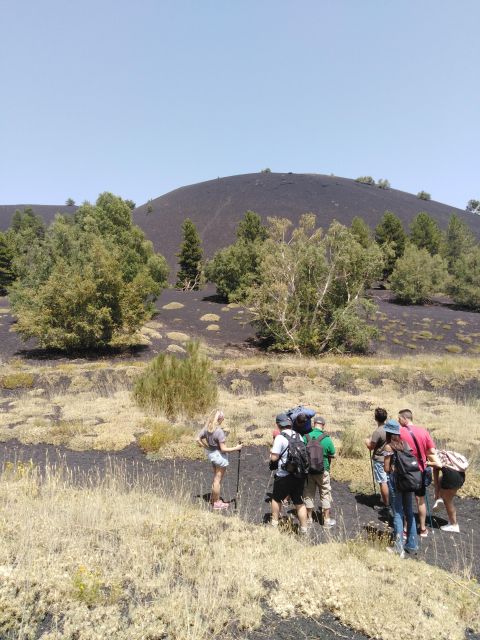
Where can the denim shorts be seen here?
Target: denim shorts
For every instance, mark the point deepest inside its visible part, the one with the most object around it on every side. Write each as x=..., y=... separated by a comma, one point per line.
x=379, y=472
x=218, y=458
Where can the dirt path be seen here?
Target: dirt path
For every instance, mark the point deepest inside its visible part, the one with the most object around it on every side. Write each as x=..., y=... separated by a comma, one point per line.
x=355, y=513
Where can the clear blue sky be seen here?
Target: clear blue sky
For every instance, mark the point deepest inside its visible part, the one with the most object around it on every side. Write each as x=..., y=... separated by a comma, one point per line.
x=141, y=97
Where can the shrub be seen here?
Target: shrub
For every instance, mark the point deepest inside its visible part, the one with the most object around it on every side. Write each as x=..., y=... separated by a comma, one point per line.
x=418, y=276
x=17, y=381
x=383, y=183
x=423, y=195
x=159, y=435
x=91, y=280
x=365, y=180
x=175, y=386
x=310, y=297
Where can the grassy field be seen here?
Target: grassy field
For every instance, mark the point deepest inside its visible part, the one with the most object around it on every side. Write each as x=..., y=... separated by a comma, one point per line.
x=103, y=561
x=90, y=406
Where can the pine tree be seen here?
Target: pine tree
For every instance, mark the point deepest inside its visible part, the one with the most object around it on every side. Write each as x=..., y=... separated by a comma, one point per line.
x=6, y=269
x=189, y=258
x=361, y=231
x=458, y=240
x=251, y=228
x=425, y=233
x=389, y=234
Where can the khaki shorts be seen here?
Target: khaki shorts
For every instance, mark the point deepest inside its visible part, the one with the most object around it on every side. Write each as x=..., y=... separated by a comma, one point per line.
x=322, y=481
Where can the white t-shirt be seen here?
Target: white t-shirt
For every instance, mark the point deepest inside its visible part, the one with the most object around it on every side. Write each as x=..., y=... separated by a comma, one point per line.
x=280, y=446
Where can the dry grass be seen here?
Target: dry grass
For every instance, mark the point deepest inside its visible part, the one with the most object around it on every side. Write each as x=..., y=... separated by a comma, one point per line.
x=97, y=402
x=103, y=561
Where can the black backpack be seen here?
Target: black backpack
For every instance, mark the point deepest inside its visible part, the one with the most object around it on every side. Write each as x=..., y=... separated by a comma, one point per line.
x=408, y=475
x=297, y=463
x=316, y=454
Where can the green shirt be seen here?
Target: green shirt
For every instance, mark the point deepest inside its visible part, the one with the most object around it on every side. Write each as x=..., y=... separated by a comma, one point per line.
x=327, y=444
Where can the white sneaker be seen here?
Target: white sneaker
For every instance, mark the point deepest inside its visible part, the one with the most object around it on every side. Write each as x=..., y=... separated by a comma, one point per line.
x=330, y=522
x=438, y=505
x=401, y=555
x=451, y=528
x=274, y=523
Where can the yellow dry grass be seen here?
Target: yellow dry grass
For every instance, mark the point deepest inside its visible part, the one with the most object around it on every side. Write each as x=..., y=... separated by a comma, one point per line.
x=103, y=551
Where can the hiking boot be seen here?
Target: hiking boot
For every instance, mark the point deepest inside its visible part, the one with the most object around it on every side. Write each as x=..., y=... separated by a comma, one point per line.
x=423, y=533
x=451, y=528
x=438, y=505
x=219, y=505
x=329, y=523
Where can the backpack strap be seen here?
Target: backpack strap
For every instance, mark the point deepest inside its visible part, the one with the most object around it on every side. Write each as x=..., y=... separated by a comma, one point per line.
x=419, y=457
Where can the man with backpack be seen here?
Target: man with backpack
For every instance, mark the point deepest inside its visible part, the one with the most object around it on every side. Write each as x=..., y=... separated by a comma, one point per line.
x=321, y=450
x=288, y=457
x=422, y=446
x=301, y=418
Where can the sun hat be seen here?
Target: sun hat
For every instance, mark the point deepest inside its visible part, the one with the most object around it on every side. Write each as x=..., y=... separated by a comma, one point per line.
x=319, y=420
x=392, y=426
x=283, y=420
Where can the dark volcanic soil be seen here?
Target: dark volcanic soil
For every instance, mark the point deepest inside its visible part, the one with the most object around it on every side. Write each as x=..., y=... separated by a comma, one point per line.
x=355, y=514
x=436, y=328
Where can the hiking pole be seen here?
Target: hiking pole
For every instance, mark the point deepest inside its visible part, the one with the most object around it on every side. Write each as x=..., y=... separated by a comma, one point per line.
x=238, y=480
x=373, y=476
x=429, y=513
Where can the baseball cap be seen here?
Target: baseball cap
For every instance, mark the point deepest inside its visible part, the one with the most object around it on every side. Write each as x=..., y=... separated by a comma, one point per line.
x=319, y=420
x=283, y=420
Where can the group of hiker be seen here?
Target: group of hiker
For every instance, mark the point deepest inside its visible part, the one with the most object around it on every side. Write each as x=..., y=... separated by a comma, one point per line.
x=404, y=463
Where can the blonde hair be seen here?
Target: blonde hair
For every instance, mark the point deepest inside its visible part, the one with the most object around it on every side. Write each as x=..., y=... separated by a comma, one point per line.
x=212, y=420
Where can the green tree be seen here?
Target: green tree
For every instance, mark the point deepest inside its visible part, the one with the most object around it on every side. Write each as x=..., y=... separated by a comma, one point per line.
x=130, y=204
x=465, y=285
x=235, y=268
x=189, y=258
x=361, y=231
x=418, y=275
x=310, y=295
x=473, y=206
x=266, y=170
x=365, y=180
x=251, y=228
x=424, y=195
x=70, y=202
x=383, y=183
x=91, y=281
x=390, y=236
x=458, y=241
x=425, y=233
x=6, y=266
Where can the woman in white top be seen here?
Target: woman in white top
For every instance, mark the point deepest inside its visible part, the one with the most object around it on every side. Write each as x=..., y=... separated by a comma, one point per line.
x=212, y=438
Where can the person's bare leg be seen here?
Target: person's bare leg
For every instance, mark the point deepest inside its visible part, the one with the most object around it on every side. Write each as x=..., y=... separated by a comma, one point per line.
x=384, y=493
x=436, y=482
x=448, y=495
x=218, y=473
x=276, y=506
x=422, y=512
x=302, y=515
x=309, y=514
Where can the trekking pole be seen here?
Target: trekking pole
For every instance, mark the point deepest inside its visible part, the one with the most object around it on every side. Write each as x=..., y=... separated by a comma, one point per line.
x=429, y=513
x=238, y=481
x=373, y=476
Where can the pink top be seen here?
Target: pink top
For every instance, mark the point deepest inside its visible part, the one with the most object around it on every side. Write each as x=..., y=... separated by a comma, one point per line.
x=424, y=439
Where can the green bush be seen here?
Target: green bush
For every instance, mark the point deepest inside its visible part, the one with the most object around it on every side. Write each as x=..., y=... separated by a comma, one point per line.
x=424, y=195
x=17, y=381
x=365, y=180
x=425, y=233
x=383, y=183
x=310, y=297
x=159, y=435
x=90, y=280
x=174, y=386
x=418, y=276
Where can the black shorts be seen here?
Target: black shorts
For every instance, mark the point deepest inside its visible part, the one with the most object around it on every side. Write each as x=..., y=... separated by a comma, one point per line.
x=288, y=486
x=452, y=479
